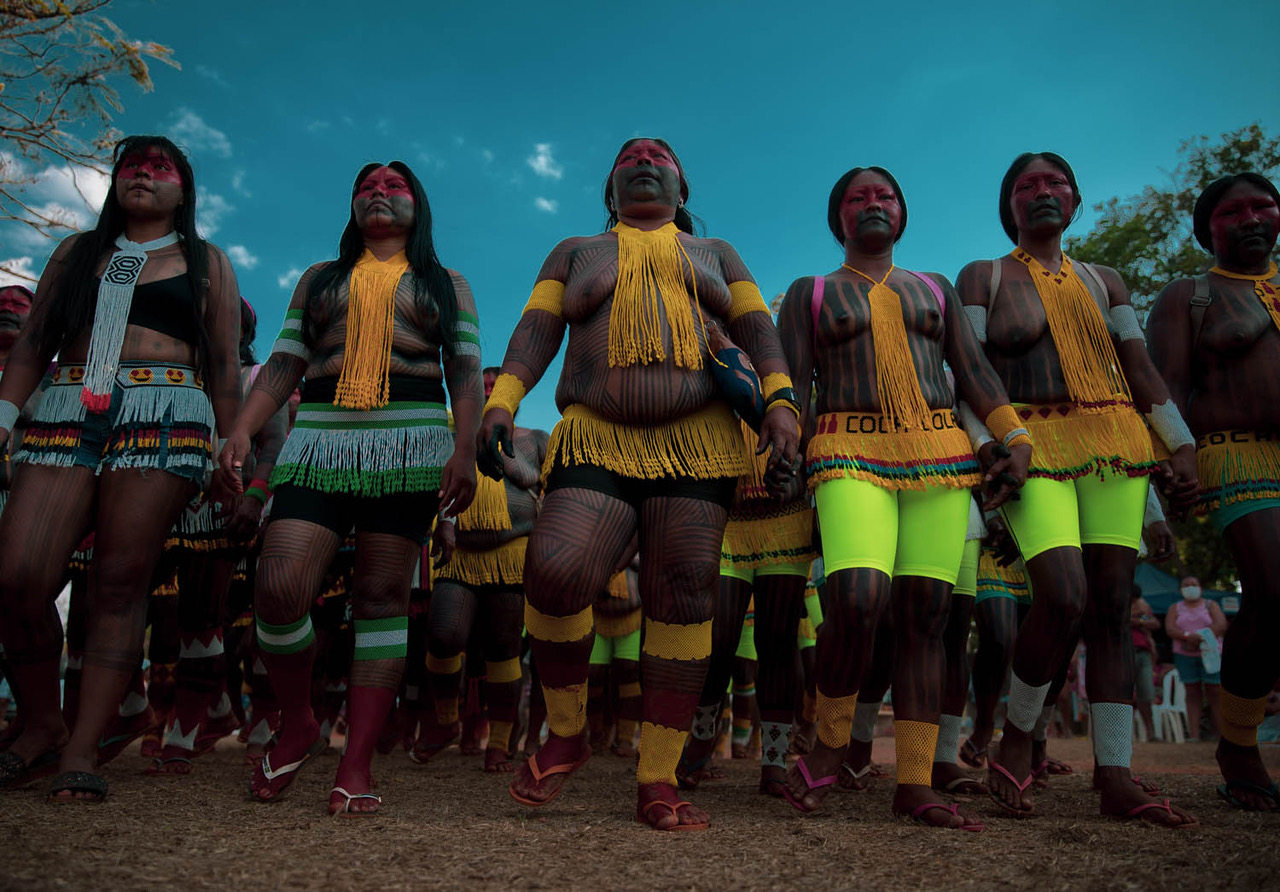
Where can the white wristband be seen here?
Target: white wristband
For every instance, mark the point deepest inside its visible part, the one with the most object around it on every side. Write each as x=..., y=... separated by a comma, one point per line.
x=8, y=415
x=979, y=434
x=1167, y=422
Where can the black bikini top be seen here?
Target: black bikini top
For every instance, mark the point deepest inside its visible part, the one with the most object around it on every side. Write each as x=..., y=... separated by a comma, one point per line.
x=166, y=306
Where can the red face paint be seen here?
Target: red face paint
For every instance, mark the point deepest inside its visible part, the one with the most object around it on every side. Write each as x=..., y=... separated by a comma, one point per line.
x=383, y=202
x=489, y=380
x=645, y=151
x=1042, y=196
x=870, y=202
x=1245, y=221
x=15, y=300
x=646, y=160
x=154, y=164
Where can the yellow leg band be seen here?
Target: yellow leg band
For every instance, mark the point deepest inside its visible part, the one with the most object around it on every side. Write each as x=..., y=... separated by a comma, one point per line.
x=499, y=736
x=446, y=710
x=673, y=641
x=630, y=689
x=835, y=719
x=626, y=730
x=566, y=709
x=915, y=743
x=503, y=672
x=444, y=665
x=558, y=629
x=1240, y=718
x=660, y=749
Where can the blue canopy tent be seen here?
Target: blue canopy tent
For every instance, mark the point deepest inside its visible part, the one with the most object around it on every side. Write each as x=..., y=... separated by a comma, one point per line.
x=1161, y=591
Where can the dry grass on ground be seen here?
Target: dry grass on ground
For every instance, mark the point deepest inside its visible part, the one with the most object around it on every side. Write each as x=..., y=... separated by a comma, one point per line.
x=449, y=824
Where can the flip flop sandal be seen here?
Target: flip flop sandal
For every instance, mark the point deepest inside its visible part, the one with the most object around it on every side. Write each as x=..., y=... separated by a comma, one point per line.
x=1057, y=766
x=344, y=810
x=971, y=755
x=159, y=767
x=1020, y=786
x=855, y=782
x=288, y=773
x=78, y=782
x=919, y=812
x=539, y=775
x=642, y=811
x=134, y=727
x=1228, y=790
x=811, y=784
x=976, y=787
x=1138, y=810
x=493, y=763
x=772, y=786
x=421, y=755
x=690, y=774
x=1147, y=786
x=16, y=774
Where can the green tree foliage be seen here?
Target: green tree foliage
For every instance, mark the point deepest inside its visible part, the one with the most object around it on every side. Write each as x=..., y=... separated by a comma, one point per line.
x=59, y=63
x=1147, y=237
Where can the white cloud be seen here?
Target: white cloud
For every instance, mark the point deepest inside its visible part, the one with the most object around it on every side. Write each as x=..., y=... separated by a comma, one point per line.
x=289, y=277
x=211, y=208
x=317, y=126
x=237, y=183
x=486, y=155
x=543, y=164
x=69, y=195
x=212, y=74
x=546, y=204
x=190, y=129
x=241, y=258
x=23, y=266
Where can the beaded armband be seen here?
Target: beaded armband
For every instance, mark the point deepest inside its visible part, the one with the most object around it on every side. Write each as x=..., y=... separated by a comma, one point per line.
x=547, y=295
x=1166, y=421
x=1003, y=422
x=745, y=297
x=9, y=413
x=777, y=388
x=507, y=393
x=259, y=489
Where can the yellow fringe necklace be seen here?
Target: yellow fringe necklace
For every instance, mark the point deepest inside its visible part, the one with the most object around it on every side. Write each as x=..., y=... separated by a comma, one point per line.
x=1261, y=286
x=651, y=280
x=901, y=401
x=366, y=358
x=1086, y=353
x=488, y=510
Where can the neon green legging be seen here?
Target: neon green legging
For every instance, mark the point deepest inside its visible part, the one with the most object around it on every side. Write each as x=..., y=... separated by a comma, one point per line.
x=1087, y=511
x=624, y=647
x=967, y=581
x=900, y=533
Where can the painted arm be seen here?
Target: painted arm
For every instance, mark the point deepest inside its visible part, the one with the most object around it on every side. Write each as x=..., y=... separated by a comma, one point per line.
x=1169, y=339
x=796, y=337
x=466, y=389
x=533, y=345
x=222, y=321
x=523, y=468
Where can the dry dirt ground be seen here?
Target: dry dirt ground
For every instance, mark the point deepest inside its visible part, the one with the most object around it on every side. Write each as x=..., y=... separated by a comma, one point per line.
x=448, y=824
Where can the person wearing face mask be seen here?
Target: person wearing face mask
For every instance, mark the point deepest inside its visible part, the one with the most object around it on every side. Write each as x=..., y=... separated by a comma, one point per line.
x=378, y=333
x=143, y=316
x=1185, y=623
x=1065, y=341
x=1216, y=340
x=647, y=444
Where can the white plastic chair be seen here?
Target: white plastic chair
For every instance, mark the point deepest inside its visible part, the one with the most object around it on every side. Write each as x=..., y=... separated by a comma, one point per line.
x=1170, y=715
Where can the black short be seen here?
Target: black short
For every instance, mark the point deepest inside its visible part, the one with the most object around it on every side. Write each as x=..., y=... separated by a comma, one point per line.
x=634, y=491
x=406, y=514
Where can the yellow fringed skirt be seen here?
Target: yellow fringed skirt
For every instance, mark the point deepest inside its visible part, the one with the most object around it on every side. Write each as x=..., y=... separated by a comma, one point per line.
x=1237, y=466
x=774, y=535
x=703, y=445
x=860, y=445
x=503, y=565
x=1070, y=443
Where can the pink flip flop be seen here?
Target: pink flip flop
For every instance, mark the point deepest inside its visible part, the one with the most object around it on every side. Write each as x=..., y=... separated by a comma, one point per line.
x=810, y=783
x=1021, y=787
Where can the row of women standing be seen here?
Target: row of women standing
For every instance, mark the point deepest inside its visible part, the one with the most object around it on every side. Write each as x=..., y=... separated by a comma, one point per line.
x=648, y=446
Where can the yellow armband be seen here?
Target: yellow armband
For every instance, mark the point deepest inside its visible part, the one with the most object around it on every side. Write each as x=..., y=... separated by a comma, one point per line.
x=547, y=295
x=507, y=393
x=1004, y=424
x=772, y=383
x=745, y=297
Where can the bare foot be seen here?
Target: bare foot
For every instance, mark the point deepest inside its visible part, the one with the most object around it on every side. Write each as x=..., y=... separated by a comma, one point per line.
x=1009, y=772
x=498, y=761
x=540, y=779
x=1122, y=798
x=921, y=804
x=433, y=739
x=660, y=806
x=695, y=764
x=773, y=780
x=1248, y=786
x=973, y=752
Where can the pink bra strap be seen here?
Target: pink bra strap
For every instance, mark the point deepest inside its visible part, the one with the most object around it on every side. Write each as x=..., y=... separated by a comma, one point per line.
x=933, y=286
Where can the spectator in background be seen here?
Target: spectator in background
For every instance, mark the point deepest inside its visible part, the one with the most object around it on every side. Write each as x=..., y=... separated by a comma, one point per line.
x=1141, y=624
x=1184, y=624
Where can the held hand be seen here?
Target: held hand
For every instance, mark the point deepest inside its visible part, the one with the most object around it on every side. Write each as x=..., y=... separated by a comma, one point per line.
x=494, y=441
x=458, y=483
x=243, y=523
x=1006, y=475
x=224, y=489
x=780, y=436
x=1180, y=482
x=443, y=541
x=1161, y=545
x=235, y=452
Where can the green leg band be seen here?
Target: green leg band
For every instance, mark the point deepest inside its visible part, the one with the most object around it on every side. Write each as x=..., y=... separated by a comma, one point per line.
x=287, y=639
x=382, y=639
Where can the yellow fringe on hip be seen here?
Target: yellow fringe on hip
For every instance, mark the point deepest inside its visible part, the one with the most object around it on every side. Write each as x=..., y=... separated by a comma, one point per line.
x=488, y=510
x=366, y=357
x=703, y=445
x=1237, y=466
x=864, y=446
x=1071, y=442
x=651, y=285
x=1086, y=351
x=618, y=586
x=617, y=626
x=761, y=539
x=503, y=565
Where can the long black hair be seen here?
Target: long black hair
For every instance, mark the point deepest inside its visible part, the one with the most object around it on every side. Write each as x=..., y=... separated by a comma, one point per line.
x=842, y=186
x=69, y=311
x=1018, y=166
x=684, y=220
x=248, y=332
x=428, y=273
x=1212, y=195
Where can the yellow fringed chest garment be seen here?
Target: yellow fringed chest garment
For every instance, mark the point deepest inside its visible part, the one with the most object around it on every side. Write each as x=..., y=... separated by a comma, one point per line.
x=651, y=282
x=1262, y=287
x=371, y=307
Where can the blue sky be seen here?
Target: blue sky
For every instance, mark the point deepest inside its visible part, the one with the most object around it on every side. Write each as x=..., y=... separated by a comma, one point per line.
x=511, y=114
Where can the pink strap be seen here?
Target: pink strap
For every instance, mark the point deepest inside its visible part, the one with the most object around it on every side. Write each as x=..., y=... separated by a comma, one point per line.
x=819, y=285
x=933, y=286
